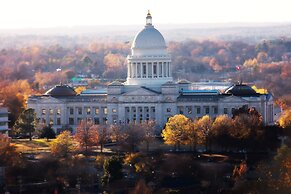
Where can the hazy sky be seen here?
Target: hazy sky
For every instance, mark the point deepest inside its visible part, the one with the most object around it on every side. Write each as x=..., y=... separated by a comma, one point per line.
x=56, y=13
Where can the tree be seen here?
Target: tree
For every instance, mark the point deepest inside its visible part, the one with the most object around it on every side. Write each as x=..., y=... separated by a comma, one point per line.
x=26, y=123
x=285, y=121
x=221, y=128
x=112, y=170
x=103, y=135
x=63, y=144
x=247, y=127
x=204, y=124
x=116, y=135
x=149, y=132
x=194, y=135
x=8, y=153
x=273, y=176
x=175, y=132
x=132, y=136
x=48, y=133
x=142, y=188
x=87, y=134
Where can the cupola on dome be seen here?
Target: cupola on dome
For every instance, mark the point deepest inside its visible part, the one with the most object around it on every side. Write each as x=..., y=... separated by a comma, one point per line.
x=149, y=38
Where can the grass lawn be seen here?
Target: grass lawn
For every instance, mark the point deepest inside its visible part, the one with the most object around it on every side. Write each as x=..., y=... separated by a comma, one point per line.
x=36, y=145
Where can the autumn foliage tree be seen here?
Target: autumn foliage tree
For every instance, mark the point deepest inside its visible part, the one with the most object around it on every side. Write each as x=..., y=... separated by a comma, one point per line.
x=221, y=129
x=285, y=121
x=8, y=153
x=87, y=134
x=247, y=128
x=194, y=135
x=63, y=145
x=204, y=124
x=175, y=132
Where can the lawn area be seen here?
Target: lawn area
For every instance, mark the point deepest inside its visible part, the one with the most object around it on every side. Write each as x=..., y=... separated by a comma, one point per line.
x=36, y=145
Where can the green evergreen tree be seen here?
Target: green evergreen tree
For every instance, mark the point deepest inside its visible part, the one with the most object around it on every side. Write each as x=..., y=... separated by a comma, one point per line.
x=48, y=133
x=26, y=123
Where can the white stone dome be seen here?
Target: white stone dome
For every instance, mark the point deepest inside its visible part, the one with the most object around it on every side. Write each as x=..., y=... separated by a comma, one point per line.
x=149, y=38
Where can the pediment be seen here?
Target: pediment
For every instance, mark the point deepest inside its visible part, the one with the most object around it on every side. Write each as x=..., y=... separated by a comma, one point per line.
x=141, y=92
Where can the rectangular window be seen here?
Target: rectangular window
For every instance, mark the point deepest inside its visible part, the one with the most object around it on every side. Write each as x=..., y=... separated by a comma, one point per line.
x=105, y=110
x=51, y=111
x=114, y=110
x=232, y=110
x=43, y=111
x=105, y=121
x=168, y=109
x=97, y=111
x=96, y=121
x=80, y=111
x=71, y=121
x=71, y=111
x=225, y=111
x=58, y=111
x=51, y=121
x=189, y=108
x=180, y=110
x=198, y=110
x=206, y=110
x=215, y=110
x=58, y=121
x=88, y=110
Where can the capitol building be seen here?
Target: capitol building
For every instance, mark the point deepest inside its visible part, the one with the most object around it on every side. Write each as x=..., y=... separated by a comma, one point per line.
x=149, y=93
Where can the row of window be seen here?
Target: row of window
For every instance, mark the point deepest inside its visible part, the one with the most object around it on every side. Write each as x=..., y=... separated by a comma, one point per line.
x=72, y=121
x=51, y=111
x=189, y=110
x=3, y=114
x=88, y=110
x=3, y=123
x=79, y=110
x=140, y=109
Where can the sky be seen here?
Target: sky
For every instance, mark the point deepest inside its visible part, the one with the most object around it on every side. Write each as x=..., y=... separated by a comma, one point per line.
x=69, y=13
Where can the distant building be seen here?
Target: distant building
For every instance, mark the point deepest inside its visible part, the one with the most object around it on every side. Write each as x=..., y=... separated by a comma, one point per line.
x=3, y=120
x=149, y=93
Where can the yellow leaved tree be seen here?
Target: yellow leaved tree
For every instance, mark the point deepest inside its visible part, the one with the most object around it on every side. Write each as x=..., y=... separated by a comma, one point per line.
x=285, y=121
x=175, y=132
x=63, y=144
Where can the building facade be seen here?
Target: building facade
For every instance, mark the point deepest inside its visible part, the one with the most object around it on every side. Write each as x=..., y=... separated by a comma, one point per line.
x=3, y=120
x=149, y=93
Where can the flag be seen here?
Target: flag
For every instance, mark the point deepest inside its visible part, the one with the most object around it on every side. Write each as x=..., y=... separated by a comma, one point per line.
x=237, y=67
x=59, y=69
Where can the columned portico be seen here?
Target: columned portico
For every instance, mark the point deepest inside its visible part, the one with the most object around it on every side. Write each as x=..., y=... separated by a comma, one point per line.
x=149, y=62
